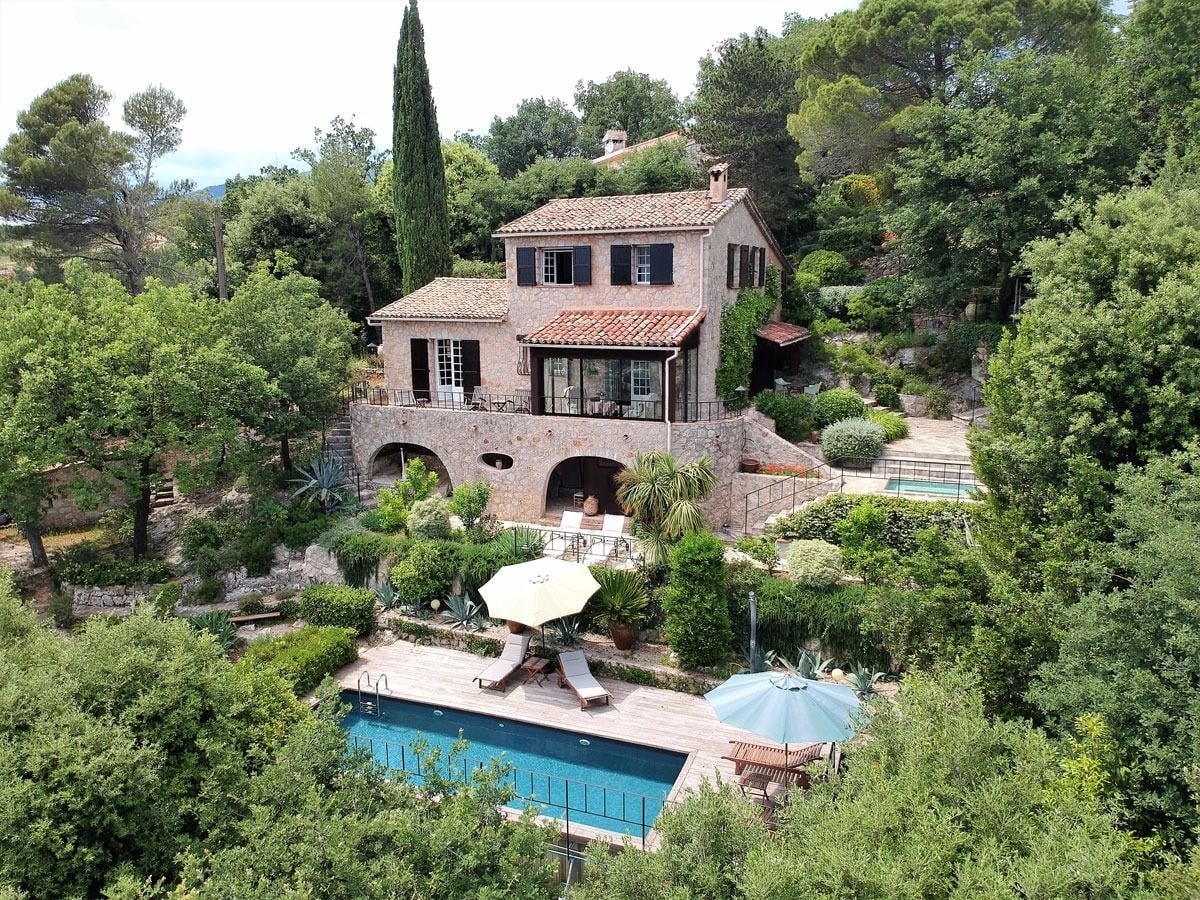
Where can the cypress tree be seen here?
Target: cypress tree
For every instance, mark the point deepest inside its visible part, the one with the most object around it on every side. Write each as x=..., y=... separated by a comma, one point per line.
x=419, y=176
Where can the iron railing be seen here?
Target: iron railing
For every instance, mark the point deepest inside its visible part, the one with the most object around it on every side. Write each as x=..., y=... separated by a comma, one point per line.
x=553, y=795
x=958, y=475
x=594, y=408
x=796, y=487
x=591, y=547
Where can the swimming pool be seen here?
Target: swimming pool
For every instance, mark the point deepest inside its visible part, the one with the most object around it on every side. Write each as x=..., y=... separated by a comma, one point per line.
x=594, y=781
x=941, y=488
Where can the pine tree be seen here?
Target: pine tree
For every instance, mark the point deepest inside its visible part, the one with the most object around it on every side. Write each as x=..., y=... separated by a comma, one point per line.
x=419, y=177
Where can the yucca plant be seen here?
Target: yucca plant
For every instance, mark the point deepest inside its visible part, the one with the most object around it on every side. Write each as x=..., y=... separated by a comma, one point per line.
x=664, y=495
x=565, y=631
x=864, y=680
x=461, y=612
x=621, y=605
x=216, y=623
x=325, y=482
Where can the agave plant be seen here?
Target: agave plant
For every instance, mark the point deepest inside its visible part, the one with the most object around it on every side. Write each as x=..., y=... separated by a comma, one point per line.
x=386, y=594
x=762, y=661
x=325, y=482
x=461, y=612
x=565, y=631
x=864, y=680
x=216, y=623
x=808, y=664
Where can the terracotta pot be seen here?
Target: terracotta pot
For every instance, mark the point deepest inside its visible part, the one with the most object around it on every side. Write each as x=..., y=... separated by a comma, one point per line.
x=591, y=506
x=815, y=437
x=749, y=465
x=515, y=627
x=622, y=635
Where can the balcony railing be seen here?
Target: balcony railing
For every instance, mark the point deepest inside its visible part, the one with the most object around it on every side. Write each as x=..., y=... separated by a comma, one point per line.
x=522, y=403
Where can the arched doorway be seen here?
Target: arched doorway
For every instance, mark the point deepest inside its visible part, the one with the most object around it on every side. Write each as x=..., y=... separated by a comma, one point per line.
x=575, y=479
x=390, y=461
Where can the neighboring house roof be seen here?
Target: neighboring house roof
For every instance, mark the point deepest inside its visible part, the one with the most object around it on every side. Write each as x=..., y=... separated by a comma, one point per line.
x=618, y=328
x=783, y=334
x=633, y=212
x=474, y=299
x=618, y=156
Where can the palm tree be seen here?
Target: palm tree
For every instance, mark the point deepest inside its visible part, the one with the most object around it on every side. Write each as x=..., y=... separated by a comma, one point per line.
x=664, y=495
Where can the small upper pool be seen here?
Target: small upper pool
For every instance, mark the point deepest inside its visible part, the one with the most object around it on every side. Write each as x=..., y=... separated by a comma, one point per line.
x=941, y=488
x=593, y=781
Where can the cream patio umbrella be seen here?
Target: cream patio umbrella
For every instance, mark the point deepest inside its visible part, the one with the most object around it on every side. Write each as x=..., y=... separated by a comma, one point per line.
x=534, y=593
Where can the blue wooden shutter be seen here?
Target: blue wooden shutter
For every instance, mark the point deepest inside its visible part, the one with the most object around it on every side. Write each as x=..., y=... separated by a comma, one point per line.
x=661, y=263
x=620, y=265
x=526, y=266
x=582, y=264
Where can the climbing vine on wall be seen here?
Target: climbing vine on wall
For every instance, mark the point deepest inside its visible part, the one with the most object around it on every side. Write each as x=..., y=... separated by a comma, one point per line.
x=739, y=321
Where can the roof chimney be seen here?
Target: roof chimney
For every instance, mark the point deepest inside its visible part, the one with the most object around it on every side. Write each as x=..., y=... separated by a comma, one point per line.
x=718, y=183
x=614, y=139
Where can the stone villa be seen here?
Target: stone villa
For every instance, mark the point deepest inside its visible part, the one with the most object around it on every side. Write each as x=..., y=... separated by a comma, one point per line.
x=601, y=341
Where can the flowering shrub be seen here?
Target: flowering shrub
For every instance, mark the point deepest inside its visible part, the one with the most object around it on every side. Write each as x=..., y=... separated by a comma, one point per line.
x=798, y=471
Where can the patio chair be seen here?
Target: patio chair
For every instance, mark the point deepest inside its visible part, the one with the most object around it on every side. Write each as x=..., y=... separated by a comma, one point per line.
x=479, y=398
x=573, y=672
x=812, y=389
x=495, y=677
x=571, y=526
x=614, y=528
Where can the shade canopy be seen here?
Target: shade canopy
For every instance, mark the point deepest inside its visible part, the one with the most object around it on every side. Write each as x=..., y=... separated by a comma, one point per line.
x=540, y=591
x=786, y=708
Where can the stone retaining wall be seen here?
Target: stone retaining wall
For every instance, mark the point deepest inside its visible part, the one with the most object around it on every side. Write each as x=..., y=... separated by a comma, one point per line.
x=762, y=443
x=109, y=596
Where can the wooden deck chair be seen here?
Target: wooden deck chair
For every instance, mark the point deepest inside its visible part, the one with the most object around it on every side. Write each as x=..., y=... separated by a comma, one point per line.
x=495, y=677
x=573, y=672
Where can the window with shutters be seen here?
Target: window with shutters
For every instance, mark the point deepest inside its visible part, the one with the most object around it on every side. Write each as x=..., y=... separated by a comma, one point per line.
x=643, y=265
x=557, y=266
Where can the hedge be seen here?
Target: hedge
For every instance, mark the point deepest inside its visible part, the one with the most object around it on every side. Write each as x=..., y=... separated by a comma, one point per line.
x=303, y=657
x=794, y=414
x=905, y=517
x=697, y=623
x=339, y=606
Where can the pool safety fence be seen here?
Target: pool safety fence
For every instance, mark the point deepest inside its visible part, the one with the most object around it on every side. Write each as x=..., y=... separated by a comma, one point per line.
x=622, y=812
x=944, y=477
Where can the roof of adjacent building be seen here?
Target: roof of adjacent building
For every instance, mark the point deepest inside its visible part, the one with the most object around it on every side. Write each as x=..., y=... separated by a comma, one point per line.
x=451, y=298
x=632, y=212
x=618, y=328
x=610, y=159
x=783, y=334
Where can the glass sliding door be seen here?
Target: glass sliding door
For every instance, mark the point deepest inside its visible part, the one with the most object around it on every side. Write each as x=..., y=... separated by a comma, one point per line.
x=603, y=387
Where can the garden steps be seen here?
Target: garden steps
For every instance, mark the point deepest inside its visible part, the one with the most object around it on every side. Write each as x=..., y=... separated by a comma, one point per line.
x=163, y=495
x=339, y=444
x=813, y=494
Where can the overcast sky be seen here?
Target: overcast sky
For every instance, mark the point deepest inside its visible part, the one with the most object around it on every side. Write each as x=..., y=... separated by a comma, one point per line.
x=258, y=75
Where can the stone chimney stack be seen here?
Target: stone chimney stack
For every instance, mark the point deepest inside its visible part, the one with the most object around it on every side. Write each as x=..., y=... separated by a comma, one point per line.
x=718, y=183
x=614, y=139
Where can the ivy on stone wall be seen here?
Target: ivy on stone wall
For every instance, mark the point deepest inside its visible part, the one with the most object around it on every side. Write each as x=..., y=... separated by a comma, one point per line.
x=739, y=321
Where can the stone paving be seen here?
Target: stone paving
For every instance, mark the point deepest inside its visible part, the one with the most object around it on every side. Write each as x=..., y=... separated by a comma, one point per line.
x=932, y=439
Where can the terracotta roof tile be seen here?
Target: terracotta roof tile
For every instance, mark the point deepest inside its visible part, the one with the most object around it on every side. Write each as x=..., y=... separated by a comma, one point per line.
x=452, y=298
x=618, y=328
x=782, y=333
x=680, y=209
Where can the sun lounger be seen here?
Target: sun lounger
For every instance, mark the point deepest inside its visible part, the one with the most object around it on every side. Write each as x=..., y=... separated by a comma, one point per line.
x=573, y=672
x=569, y=534
x=495, y=677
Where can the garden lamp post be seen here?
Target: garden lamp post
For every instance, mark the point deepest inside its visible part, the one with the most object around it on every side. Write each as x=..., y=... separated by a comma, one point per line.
x=753, y=633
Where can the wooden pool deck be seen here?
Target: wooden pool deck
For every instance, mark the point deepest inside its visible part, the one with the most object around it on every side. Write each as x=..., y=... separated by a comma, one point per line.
x=641, y=715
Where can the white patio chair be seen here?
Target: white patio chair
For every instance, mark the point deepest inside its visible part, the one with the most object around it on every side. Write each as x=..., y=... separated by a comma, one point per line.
x=571, y=528
x=614, y=529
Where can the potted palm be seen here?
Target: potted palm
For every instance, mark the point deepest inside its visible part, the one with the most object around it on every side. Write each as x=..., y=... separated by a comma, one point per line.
x=621, y=605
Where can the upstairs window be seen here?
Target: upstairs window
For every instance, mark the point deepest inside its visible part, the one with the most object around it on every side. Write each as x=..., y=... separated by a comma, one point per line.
x=557, y=266
x=643, y=265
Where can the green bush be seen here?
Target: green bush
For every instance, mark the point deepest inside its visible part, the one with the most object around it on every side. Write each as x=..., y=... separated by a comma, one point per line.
x=739, y=321
x=300, y=535
x=828, y=267
x=209, y=590
x=217, y=623
x=894, y=426
x=814, y=564
x=904, y=519
x=697, y=626
x=476, y=268
x=837, y=404
x=256, y=551
x=427, y=572
x=165, y=597
x=87, y=563
x=887, y=395
x=429, y=519
x=303, y=657
x=339, y=606
x=794, y=414
x=835, y=299
x=251, y=604
x=359, y=553
x=852, y=439
x=201, y=533
x=937, y=401
x=61, y=609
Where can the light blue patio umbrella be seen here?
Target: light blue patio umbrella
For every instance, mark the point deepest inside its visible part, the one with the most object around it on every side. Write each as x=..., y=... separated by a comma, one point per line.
x=786, y=708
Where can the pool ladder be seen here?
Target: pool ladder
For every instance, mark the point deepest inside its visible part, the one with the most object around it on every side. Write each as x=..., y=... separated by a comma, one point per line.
x=367, y=706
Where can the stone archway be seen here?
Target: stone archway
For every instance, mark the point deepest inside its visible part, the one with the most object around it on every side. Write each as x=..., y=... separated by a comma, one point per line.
x=574, y=479
x=389, y=461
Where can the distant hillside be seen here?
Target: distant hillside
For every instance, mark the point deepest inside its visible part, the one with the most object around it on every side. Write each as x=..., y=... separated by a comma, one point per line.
x=216, y=191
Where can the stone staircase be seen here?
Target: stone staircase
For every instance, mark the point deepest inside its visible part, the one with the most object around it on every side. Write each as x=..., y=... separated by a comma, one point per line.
x=770, y=513
x=164, y=494
x=339, y=445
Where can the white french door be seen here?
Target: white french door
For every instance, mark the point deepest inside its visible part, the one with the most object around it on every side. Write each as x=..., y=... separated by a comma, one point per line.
x=449, y=370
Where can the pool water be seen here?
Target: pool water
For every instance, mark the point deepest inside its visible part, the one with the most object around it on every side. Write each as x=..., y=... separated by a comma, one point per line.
x=588, y=780
x=942, y=488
